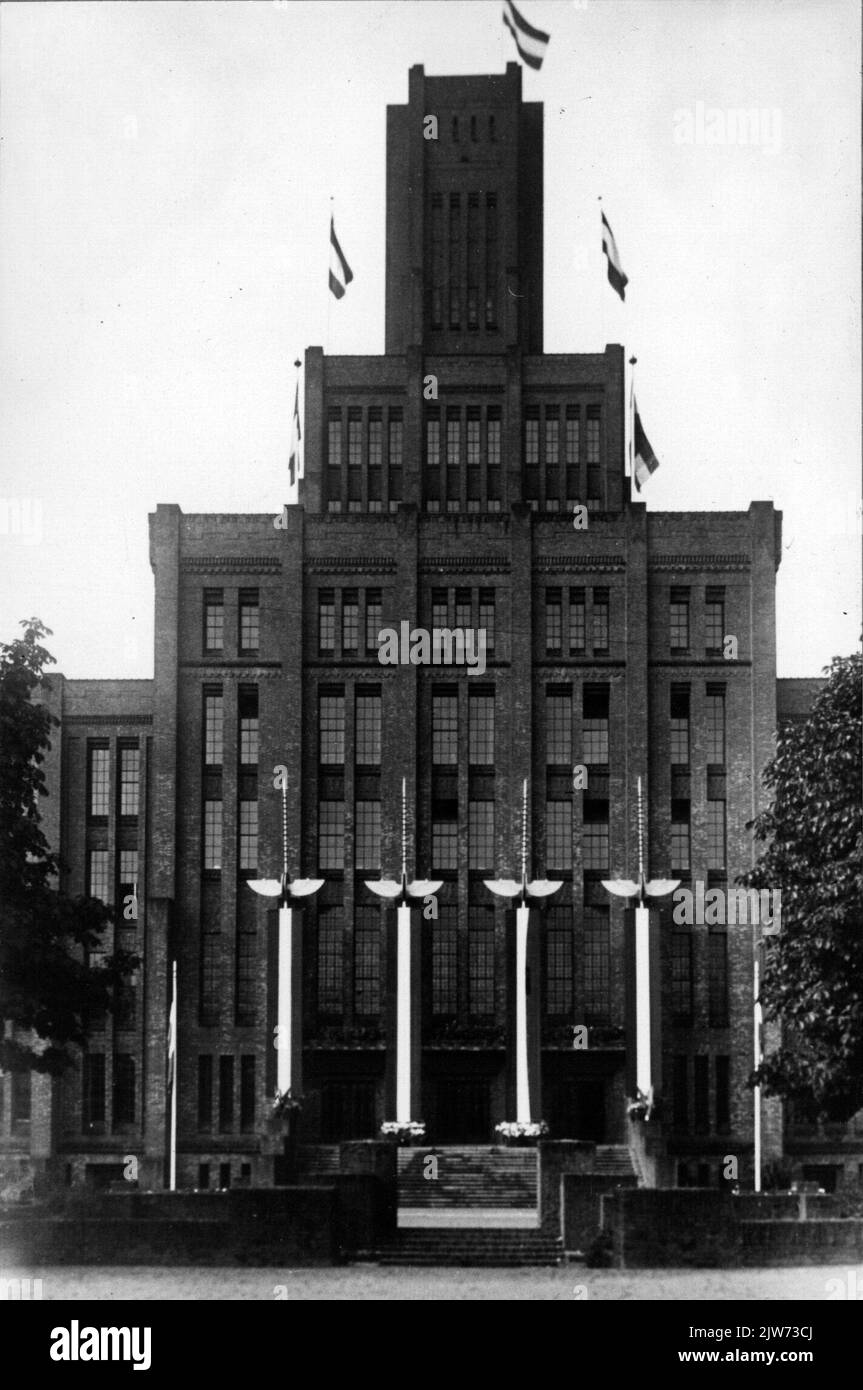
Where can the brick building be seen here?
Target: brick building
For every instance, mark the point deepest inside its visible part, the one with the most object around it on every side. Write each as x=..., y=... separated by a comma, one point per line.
x=439, y=488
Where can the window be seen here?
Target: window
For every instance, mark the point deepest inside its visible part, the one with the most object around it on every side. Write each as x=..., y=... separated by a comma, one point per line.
x=247, y=706
x=436, y=277
x=374, y=618
x=595, y=835
x=716, y=834
x=572, y=455
x=350, y=620
x=480, y=834
x=98, y=774
x=247, y=1093
x=486, y=617
x=715, y=732
x=722, y=1066
x=714, y=619
x=680, y=725
x=214, y=620
x=331, y=835
x=481, y=729
x=553, y=620
x=558, y=835
x=205, y=1092
x=702, y=1095
x=445, y=961
x=93, y=1089
x=433, y=490
x=368, y=835
x=678, y=620
x=331, y=728
x=552, y=458
x=597, y=966
x=680, y=1092
x=247, y=963
x=531, y=455
x=368, y=728
x=462, y=608
x=214, y=727
x=445, y=835
x=600, y=620
x=367, y=962
x=98, y=875
x=681, y=978
x=211, y=954
x=212, y=834
x=480, y=979
x=493, y=459
x=326, y=621
x=558, y=963
x=594, y=712
x=334, y=441
x=226, y=1094
x=491, y=257
x=558, y=726
x=124, y=1090
x=444, y=729
x=330, y=961
x=396, y=458
x=128, y=877
x=680, y=836
x=594, y=472
x=455, y=248
x=130, y=776
x=355, y=438
x=717, y=977
x=440, y=608
x=249, y=620
x=248, y=835
x=21, y=1098
x=577, y=624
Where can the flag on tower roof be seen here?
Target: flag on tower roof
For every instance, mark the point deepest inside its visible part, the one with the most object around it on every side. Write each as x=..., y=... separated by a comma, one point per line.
x=616, y=277
x=531, y=43
x=646, y=461
x=296, y=436
x=341, y=274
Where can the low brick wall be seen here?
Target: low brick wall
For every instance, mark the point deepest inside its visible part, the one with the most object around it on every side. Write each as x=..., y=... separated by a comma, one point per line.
x=581, y=1214
x=825, y=1241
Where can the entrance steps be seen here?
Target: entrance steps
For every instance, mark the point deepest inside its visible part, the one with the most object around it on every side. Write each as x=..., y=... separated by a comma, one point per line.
x=614, y=1161
x=470, y=1246
x=468, y=1176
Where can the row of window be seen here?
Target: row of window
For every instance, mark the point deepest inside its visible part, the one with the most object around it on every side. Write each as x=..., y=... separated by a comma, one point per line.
x=223, y=1115
x=681, y=834
x=99, y=780
x=462, y=260
x=94, y=1090
x=247, y=725
x=690, y=1094
x=679, y=634
x=683, y=978
x=247, y=834
x=582, y=612
x=248, y=631
x=123, y=872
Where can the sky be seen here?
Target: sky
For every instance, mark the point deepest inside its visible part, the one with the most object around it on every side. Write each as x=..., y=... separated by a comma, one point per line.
x=166, y=171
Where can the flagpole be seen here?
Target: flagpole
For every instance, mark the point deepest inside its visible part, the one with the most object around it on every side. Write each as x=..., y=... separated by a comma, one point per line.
x=172, y=1142
x=604, y=322
x=631, y=420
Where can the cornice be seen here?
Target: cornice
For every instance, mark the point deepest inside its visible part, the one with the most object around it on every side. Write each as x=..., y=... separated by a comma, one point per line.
x=231, y=564
x=578, y=564
x=107, y=719
x=350, y=564
x=699, y=562
x=472, y=564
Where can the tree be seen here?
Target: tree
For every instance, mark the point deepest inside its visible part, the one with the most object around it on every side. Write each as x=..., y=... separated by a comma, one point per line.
x=813, y=831
x=48, y=986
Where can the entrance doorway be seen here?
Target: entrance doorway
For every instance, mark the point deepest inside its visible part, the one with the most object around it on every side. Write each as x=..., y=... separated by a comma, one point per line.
x=576, y=1108
x=347, y=1111
x=462, y=1112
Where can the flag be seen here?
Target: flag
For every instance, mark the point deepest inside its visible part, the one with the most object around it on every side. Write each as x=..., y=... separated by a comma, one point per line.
x=341, y=274
x=172, y=1034
x=616, y=277
x=646, y=461
x=296, y=436
x=531, y=43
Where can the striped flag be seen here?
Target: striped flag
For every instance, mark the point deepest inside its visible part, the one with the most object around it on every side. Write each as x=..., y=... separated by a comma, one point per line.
x=531, y=43
x=341, y=274
x=646, y=461
x=172, y=1036
x=616, y=277
x=296, y=436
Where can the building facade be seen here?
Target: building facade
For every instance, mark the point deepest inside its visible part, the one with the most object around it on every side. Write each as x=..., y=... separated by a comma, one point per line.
x=440, y=491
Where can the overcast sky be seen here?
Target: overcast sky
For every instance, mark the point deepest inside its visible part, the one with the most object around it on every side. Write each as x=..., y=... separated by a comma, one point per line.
x=165, y=175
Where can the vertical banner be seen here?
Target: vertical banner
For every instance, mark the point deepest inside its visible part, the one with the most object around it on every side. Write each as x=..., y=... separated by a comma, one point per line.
x=642, y=999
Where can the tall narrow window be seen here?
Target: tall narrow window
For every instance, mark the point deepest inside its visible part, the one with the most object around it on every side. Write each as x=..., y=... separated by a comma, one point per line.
x=326, y=621
x=558, y=836
x=21, y=1098
x=214, y=620
x=493, y=459
x=680, y=725
x=396, y=457
x=491, y=259
x=331, y=835
x=124, y=1090
x=600, y=620
x=597, y=966
x=93, y=1088
x=437, y=259
x=594, y=707
x=247, y=709
x=445, y=835
x=440, y=608
x=226, y=1094
x=531, y=455
x=247, y=967
x=715, y=731
x=331, y=728
x=595, y=834
x=577, y=622
x=445, y=961
x=128, y=879
x=680, y=1092
x=472, y=459
x=714, y=619
x=455, y=257
x=205, y=1091
x=98, y=885
x=130, y=777
x=247, y=1093
x=594, y=469
x=723, y=1094
x=367, y=854
x=368, y=728
x=248, y=834
x=444, y=729
x=212, y=835
x=367, y=962
x=453, y=460
x=376, y=457
x=462, y=608
x=702, y=1095
x=374, y=618
x=481, y=729
x=487, y=618
x=355, y=460
x=334, y=462
x=717, y=977
x=572, y=455
x=481, y=972
x=473, y=251
x=716, y=835
x=330, y=961
x=558, y=727
x=681, y=978
x=680, y=836
x=350, y=621
x=98, y=777
x=433, y=463
x=480, y=834
x=250, y=620
x=553, y=620
x=552, y=459
x=558, y=963
x=211, y=954
x=214, y=727
x=678, y=620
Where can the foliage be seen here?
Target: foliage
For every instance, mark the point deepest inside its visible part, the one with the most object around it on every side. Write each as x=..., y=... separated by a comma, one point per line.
x=813, y=837
x=48, y=986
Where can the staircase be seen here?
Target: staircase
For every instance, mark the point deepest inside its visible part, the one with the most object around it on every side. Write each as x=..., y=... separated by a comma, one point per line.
x=469, y=1176
x=615, y=1161
x=318, y=1160
x=487, y=1246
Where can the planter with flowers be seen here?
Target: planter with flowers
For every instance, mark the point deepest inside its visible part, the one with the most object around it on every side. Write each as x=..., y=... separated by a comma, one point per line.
x=520, y=1133
x=403, y=1132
